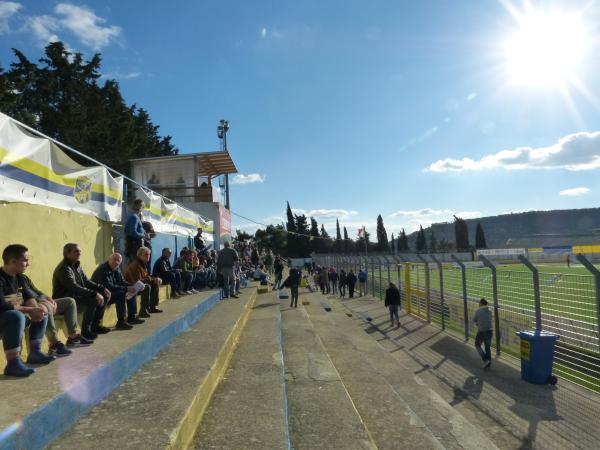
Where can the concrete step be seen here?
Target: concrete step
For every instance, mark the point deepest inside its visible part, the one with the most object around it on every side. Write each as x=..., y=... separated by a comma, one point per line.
x=321, y=412
x=161, y=405
x=248, y=409
x=396, y=408
x=38, y=409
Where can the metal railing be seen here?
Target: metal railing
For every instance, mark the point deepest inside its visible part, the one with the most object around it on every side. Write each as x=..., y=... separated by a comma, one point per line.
x=446, y=292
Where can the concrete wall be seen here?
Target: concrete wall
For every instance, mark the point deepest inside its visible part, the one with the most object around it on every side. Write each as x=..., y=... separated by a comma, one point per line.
x=175, y=243
x=45, y=230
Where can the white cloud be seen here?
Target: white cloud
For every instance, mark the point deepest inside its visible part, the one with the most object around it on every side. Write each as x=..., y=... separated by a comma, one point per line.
x=326, y=213
x=578, y=151
x=44, y=28
x=410, y=220
x=250, y=178
x=574, y=192
x=122, y=76
x=427, y=134
x=86, y=25
x=7, y=10
x=263, y=32
x=471, y=96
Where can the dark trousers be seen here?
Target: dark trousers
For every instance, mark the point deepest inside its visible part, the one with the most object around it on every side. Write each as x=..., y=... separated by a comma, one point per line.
x=149, y=297
x=351, y=290
x=294, y=297
x=187, y=278
x=393, y=312
x=174, y=280
x=118, y=299
x=485, y=338
x=132, y=245
x=89, y=306
x=333, y=286
x=342, y=290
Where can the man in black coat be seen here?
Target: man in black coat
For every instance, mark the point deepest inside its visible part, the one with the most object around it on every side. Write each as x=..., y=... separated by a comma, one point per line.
x=392, y=301
x=163, y=270
x=109, y=275
x=351, y=281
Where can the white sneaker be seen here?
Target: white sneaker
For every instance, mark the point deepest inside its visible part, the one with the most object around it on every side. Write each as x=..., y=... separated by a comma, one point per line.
x=189, y=292
x=194, y=291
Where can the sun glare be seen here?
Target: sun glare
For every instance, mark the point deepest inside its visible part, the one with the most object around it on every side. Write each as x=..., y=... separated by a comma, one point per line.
x=546, y=49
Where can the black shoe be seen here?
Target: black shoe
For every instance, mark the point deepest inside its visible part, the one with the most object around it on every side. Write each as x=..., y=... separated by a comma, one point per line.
x=123, y=326
x=144, y=314
x=89, y=335
x=101, y=330
x=135, y=321
x=155, y=310
x=59, y=349
x=79, y=341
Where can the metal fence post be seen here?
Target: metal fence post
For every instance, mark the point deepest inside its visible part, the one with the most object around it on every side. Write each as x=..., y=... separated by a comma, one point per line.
x=492, y=267
x=389, y=273
x=373, y=277
x=380, y=280
x=596, y=273
x=442, y=303
x=407, y=292
x=427, y=287
x=537, y=303
x=463, y=271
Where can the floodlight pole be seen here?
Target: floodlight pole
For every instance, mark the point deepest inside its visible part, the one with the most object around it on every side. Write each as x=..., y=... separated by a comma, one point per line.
x=222, y=130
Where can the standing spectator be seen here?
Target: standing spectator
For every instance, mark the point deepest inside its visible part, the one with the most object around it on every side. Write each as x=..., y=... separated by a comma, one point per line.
x=226, y=259
x=392, y=301
x=254, y=257
x=137, y=270
x=149, y=234
x=134, y=230
x=268, y=260
x=333, y=280
x=108, y=274
x=351, y=280
x=293, y=282
x=343, y=282
x=13, y=308
x=324, y=281
x=199, y=242
x=278, y=269
x=69, y=280
x=163, y=270
x=362, y=282
x=483, y=320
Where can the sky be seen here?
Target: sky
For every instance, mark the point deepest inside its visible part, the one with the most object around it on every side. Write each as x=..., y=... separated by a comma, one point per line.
x=351, y=108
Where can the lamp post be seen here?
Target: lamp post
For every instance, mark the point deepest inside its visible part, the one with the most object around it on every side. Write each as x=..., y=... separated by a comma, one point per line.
x=222, y=130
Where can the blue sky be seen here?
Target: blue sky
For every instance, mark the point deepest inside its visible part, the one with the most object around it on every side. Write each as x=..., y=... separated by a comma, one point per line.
x=350, y=108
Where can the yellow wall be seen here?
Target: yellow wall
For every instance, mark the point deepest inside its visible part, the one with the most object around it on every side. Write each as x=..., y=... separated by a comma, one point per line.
x=45, y=230
x=586, y=249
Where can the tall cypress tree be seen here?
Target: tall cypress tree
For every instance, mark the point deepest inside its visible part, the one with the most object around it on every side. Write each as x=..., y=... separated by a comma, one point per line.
x=421, y=241
x=315, y=244
x=433, y=244
x=393, y=244
x=382, y=240
x=461, y=234
x=346, y=241
x=337, y=246
x=290, y=226
x=480, y=237
x=403, y=242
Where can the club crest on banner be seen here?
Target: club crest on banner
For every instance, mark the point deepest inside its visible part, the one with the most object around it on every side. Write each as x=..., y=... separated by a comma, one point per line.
x=83, y=190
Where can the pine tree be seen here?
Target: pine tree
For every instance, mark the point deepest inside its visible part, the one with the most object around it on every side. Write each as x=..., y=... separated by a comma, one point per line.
x=393, y=244
x=290, y=226
x=382, y=240
x=315, y=244
x=303, y=240
x=480, y=237
x=421, y=241
x=461, y=234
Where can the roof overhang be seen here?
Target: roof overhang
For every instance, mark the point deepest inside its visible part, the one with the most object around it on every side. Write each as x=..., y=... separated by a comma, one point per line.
x=214, y=163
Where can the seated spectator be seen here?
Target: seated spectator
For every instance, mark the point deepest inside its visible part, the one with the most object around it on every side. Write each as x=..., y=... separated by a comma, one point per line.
x=69, y=280
x=13, y=294
x=260, y=274
x=184, y=264
x=137, y=270
x=67, y=307
x=163, y=270
x=108, y=274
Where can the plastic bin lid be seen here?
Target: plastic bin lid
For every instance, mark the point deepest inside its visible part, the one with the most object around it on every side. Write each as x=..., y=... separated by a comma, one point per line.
x=533, y=334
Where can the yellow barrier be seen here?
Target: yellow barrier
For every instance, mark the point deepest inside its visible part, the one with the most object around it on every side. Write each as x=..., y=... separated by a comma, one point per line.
x=407, y=287
x=586, y=249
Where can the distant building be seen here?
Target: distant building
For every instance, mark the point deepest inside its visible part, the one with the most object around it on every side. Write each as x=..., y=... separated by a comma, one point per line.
x=194, y=180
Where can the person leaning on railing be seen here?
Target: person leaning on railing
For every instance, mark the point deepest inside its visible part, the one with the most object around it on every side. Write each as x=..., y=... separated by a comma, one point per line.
x=16, y=300
x=137, y=270
x=134, y=230
x=69, y=280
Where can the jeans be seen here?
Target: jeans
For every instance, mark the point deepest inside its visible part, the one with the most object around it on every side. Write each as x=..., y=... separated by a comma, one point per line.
x=362, y=288
x=68, y=309
x=333, y=286
x=174, y=280
x=484, y=337
x=228, y=281
x=278, y=280
x=342, y=290
x=187, y=278
x=12, y=327
x=393, y=312
x=119, y=300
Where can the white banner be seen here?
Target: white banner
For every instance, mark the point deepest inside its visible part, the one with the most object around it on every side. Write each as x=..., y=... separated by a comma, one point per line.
x=34, y=170
x=501, y=251
x=172, y=218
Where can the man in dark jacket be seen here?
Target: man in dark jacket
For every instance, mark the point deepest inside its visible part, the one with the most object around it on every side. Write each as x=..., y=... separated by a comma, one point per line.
x=163, y=269
x=278, y=269
x=351, y=280
x=293, y=282
x=109, y=275
x=134, y=230
x=69, y=280
x=392, y=301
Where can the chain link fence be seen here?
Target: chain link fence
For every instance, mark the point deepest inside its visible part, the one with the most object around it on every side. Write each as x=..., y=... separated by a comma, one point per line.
x=445, y=291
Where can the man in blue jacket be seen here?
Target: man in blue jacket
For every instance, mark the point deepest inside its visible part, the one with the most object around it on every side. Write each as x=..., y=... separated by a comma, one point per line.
x=134, y=230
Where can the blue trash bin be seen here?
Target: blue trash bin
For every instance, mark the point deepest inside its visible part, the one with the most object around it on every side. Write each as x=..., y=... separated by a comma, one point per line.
x=537, y=354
